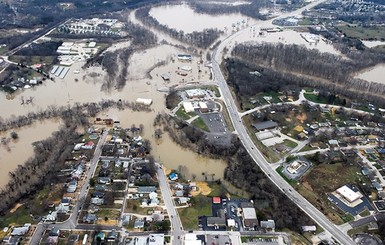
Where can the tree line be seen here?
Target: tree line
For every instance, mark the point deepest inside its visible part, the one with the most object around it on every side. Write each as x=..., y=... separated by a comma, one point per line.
x=52, y=111
x=251, y=9
x=241, y=171
x=310, y=68
x=201, y=39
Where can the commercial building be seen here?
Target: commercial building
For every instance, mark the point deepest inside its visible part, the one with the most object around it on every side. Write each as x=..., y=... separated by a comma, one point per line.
x=156, y=239
x=265, y=125
x=348, y=194
x=249, y=215
x=188, y=107
x=203, y=107
x=195, y=93
x=144, y=101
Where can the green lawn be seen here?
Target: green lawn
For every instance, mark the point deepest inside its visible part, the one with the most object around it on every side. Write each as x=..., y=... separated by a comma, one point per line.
x=372, y=32
x=199, y=123
x=182, y=114
x=201, y=205
x=290, y=181
x=314, y=98
x=308, y=148
x=290, y=143
x=19, y=217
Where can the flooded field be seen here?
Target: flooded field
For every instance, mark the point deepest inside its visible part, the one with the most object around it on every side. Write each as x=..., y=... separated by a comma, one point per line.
x=18, y=151
x=375, y=74
x=372, y=44
x=190, y=21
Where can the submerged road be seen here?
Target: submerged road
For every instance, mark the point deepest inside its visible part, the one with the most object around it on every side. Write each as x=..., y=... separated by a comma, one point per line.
x=257, y=156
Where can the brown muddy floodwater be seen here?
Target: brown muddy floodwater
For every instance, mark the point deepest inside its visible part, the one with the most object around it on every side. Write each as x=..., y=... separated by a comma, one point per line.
x=166, y=150
x=18, y=151
x=374, y=74
x=87, y=88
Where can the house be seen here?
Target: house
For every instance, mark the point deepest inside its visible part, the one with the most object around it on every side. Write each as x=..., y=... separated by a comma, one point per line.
x=97, y=201
x=265, y=125
x=100, y=187
x=20, y=231
x=249, y=215
x=173, y=176
x=54, y=232
x=183, y=200
x=97, y=194
x=62, y=209
x=193, y=186
x=108, y=148
x=178, y=186
x=146, y=189
x=126, y=219
x=89, y=218
x=138, y=224
x=377, y=186
x=179, y=193
x=112, y=236
x=157, y=217
x=104, y=180
x=51, y=240
x=365, y=171
x=153, y=195
x=88, y=146
x=268, y=225
x=72, y=239
x=72, y=186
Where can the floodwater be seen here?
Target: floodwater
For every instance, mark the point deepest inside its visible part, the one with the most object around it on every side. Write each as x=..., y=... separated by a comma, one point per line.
x=18, y=151
x=183, y=18
x=375, y=74
x=372, y=44
x=166, y=150
x=86, y=87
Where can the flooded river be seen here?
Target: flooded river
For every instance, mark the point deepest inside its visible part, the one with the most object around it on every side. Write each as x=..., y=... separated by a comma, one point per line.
x=183, y=18
x=375, y=74
x=18, y=151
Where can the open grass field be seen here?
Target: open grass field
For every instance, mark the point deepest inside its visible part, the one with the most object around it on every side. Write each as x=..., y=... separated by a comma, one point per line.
x=182, y=114
x=372, y=32
x=323, y=179
x=199, y=123
x=189, y=216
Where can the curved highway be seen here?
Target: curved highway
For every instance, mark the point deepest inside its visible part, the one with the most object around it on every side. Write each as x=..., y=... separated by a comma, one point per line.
x=259, y=159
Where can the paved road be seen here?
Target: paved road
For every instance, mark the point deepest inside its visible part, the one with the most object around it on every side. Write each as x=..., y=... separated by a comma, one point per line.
x=71, y=223
x=176, y=225
x=300, y=201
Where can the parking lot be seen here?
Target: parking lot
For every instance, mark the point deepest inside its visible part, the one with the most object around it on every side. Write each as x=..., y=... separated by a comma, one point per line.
x=352, y=210
x=214, y=122
x=219, y=133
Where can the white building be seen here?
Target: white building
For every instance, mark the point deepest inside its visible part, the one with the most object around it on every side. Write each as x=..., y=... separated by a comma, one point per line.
x=156, y=239
x=195, y=93
x=348, y=194
x=188, y=107
x=144, y=101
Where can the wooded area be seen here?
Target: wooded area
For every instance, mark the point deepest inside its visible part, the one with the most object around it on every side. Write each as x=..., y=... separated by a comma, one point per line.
x=296, y=65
